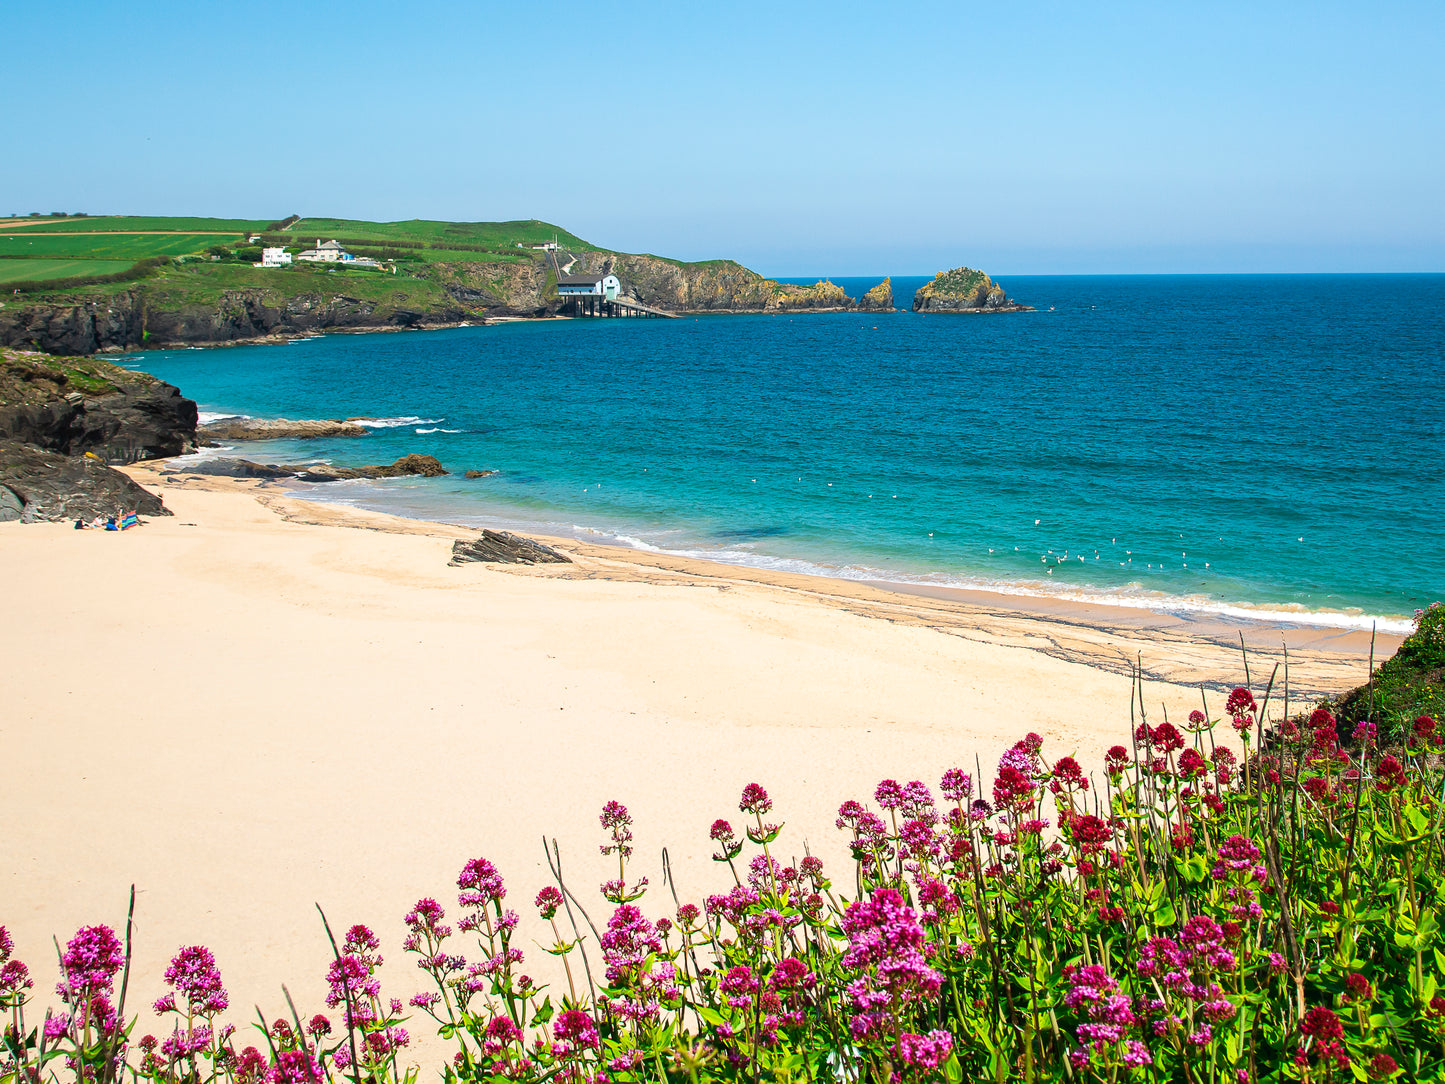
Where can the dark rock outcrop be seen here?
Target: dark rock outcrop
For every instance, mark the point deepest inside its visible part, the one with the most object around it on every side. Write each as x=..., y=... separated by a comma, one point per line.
x=78, y=405
x=964, y=290
x=407, y=466
x=878, y=299
x=279, y=428
x=479, y=473
x=50, y=486
x=503, y=547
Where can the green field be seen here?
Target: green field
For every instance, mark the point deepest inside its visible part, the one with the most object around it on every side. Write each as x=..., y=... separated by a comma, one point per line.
x=32, y=270
x=144, y=222
x=104, y=246
x=501, y=236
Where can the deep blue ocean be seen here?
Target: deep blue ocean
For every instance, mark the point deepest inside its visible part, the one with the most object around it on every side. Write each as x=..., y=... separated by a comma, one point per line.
x=1215, y=443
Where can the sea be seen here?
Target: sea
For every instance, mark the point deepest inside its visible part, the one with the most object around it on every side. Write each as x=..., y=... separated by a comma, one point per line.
x=1252, y=447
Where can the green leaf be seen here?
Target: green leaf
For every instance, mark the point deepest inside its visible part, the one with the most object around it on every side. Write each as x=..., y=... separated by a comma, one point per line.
x=711, y=1015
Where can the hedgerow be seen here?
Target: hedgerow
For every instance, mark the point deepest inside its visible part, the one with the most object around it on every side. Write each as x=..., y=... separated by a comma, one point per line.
x=1201, y=910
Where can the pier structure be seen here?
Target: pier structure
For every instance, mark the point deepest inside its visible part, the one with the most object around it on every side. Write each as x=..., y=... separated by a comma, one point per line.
x=600, y=295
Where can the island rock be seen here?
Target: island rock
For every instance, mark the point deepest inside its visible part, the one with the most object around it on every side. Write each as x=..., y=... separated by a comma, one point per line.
x=964, y=290
x=878, y=299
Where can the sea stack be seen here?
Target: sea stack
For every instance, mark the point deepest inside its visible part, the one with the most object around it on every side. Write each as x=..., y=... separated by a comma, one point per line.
x=878, y=299
x=964, y=290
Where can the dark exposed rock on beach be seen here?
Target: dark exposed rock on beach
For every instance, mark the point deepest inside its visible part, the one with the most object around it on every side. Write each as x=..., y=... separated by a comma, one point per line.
x=78, y=405
x=503, y=547
x=964, y=290
x=412, y=465
x=50, y=486
x=279, y=428
x=479, y=473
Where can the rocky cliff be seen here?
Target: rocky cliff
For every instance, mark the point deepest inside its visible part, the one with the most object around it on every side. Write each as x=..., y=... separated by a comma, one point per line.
x=529, y=288
x=964, y=290
x=139, y=317
x=73, y=405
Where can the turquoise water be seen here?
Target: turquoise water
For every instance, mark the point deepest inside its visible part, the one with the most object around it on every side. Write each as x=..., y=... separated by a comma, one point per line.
x=1228, y=444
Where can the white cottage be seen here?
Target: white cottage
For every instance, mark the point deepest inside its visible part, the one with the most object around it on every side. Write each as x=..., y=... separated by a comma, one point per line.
x=274, y=257
x=330, y=252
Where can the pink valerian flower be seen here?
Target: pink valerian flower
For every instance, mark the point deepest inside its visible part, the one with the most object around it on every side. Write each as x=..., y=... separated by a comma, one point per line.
x=957, y=785
x=936, y=899
x=1358, y=988
x=350, y=977
x=885, y=944
x=1224, y=762
x=1389, y=774
x=1013, y=789
x=1324, y=1027
x=180, y=1045
x=755, y=800
x=481, y=884
x=618, y=823
x=250, y=1066
x=1094, y=995
x=1067, y=775
x=294, y=1067
x=1089, y=833
x=925, y=1052
x=194, y=976
x=90, y=962
x=1240, y=702
x=738, y=986
x=426, y=919
x=1238, y=859
x=573, y=1032
x=629, y=940
x=1117, y=761
x=7, y=944
x=889, y=795
x=14, y=981
x=548, y=901
x=1192, y=764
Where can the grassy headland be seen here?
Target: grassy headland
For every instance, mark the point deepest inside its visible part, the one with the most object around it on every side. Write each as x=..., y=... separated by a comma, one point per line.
x=76, y=285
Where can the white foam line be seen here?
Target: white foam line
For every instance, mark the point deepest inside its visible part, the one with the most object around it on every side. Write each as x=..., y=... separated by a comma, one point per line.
x=1139, y=599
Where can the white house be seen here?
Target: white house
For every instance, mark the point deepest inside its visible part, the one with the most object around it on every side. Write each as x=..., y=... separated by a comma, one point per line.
x=330, y=252
x=608, y=286
x=274, y=257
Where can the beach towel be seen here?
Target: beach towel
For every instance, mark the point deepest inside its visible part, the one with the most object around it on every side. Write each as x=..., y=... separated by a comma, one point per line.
x=129, y=520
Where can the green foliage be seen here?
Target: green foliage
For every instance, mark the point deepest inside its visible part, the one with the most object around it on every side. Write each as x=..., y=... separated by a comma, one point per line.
x=959, y=282
x=1409, y=684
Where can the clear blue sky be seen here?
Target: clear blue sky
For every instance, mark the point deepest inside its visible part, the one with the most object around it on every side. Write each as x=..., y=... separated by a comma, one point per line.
x=799, y=138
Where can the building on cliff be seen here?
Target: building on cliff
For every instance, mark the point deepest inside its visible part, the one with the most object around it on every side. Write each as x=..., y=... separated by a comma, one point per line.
x=330, y=252
x=599, y=285
x=274, y=257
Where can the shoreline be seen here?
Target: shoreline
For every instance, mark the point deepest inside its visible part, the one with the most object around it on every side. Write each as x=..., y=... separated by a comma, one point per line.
x=1092, y=633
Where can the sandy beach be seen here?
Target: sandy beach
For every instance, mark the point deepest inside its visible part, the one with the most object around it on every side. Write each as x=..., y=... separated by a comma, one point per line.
x=261, y=704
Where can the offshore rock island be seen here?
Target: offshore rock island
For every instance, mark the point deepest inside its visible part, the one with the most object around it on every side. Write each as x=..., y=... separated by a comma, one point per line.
x=64, y=290
x=964, y=290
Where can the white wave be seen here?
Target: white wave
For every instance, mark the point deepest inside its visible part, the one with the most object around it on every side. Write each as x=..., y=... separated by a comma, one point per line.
x=1132, y=596
x=423, y=432
x=395, y=423
x=206, y=417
